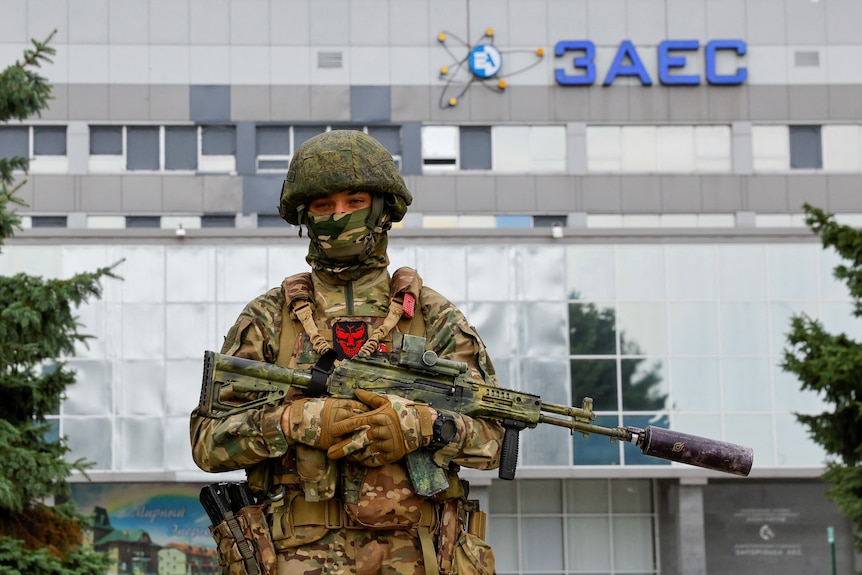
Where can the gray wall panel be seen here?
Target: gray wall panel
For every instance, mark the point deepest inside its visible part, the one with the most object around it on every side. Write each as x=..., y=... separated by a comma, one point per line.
x=250, y=103
x=88, y=21
x=576, y=148
x=607, y=103
x=249, y=22
x=290, y=103
x=209, y=103
x=516, y=194
x=722, y=193
x=806, y=22
x=842, y=21
x=182, y=194
x=484, y=14
x=570, y=105
x=557, y=194
x=768, y=103
x=686, y=19
x=765, y=22
x=329, y=22
x=808, y=103
x=567, y=20
x=727, y=103
x=13, y=24
x=100, y=194
x=169, y=21
x=459, y=113
x=169, y=103
x=688, y=103
x=680, y=194
x=370, y=104
x=369, y=23
x=128, y=102
x=844, y=102
x=412, y=103
x=605, y=21
x=88, y=102
x=246, y=149
x=648, y=104
x=289, y=23
x=449, y=16
x=26, y=194
x=78, y=147
x=767, y=194
x=53, y=194
x=843, y=193
x=261, y=194
x=528, y=25
x=51, y=15
x=474, y=195
x=330, y=103
x=222, y=194
x=434, y=194
x=405, y=18
x=128, y=22
x=528, y=103
x=809, y=188
x=411, y=148
x=210, y=22
x=58, y=106
x=602, y=194
x=486, y=105
x=723, y=19
x=645, y=22
x=641, y=194
x=742, y=161
x=141, y=194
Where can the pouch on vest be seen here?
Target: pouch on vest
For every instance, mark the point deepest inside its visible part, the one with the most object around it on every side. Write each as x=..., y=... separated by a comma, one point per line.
x=243, y=543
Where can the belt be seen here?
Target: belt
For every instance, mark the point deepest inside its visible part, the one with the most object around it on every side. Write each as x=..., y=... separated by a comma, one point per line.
x=331, y=514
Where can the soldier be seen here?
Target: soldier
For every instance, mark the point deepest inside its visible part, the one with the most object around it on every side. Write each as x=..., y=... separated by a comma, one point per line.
x=332, y=473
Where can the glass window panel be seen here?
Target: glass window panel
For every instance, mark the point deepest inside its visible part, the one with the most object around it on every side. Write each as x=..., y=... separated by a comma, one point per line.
x=604, y=148
x=491, y=274
x=770, y=148
x=744, y=329
x=640, y=273
x=595, y=378
x=218, y=140
x=792, y=271
x=753, y=431
x=475, y=144
x=143, y=331
x=643, y=328
x=675, y=149
x=182, y=342
x=303, y=133
x=497, y=326
x=241, y=273
x=142, y=387
x=510, y=148
x=142, y=148
x=590, y=275
x=842, y=148
x=587, y=496
x=698, y=424
x=631, y=496
x=831, y=288
x=746, y=384
x=218, y=221
x=445, y=269
x=542, y=496
x=596, y=449
x=143, y=274
x=592, y=329
x=693, y=328
x=184, y=268
x=741, y=272
x=639, y=148
x=795, y=446
x=91, y=392
x=177, y=459
x=48, y=221
x=503, y=496
x=780, y=316
x=273, y=140
x=638, y=552
x=389, y=136
x=690, y=273
x=547, y=444
x=632, y=454
x=548, y=148
x=106, y=140
x=644, y=384
x=712, y=148
x=790, y=397
x=502, y=535
x=541, y=273
x=14, y=141
x=839, y=318
x=49, y=140
x=91, y=439
x=143, y=443
x=805, y=147
x=181, y=148
x=543, y=544
x=440, y=141
x=544, y=329
x=589, y=544
x=179, y=395
x=695, y=384
x=143, y=221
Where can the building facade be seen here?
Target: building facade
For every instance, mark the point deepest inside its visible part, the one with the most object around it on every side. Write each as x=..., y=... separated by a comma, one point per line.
x=611, y=190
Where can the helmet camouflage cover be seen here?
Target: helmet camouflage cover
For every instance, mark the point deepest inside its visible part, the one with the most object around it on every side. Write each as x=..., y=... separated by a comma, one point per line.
x=342, y=160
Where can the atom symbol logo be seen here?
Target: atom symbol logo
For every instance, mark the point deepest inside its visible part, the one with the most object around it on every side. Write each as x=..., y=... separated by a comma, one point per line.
x=483, y=64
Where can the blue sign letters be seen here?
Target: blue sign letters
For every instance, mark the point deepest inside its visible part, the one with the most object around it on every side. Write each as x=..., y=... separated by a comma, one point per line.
x=627, y=62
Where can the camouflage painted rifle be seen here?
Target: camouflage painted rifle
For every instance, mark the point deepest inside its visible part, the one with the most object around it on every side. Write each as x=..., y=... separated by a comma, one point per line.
x=419, y=375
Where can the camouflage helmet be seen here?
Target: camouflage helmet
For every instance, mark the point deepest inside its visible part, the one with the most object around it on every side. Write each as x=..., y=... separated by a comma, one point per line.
x=342, y=160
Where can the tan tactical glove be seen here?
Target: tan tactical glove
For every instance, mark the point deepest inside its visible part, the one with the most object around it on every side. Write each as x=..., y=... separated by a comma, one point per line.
x=395, y=427
x=312, y=420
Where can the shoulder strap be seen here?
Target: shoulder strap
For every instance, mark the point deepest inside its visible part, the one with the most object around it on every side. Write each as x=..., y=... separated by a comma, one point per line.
x=298, y=298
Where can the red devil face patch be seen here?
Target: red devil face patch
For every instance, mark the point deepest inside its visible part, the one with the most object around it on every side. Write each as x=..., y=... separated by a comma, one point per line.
x=348, y=337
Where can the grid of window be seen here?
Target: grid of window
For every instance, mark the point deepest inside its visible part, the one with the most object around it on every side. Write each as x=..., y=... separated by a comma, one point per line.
x=208, y=149
x=831, y=148
x=563, y=526
x=44, y=146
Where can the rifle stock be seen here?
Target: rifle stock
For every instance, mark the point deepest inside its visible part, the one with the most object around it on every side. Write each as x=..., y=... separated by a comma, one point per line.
x=232, y=385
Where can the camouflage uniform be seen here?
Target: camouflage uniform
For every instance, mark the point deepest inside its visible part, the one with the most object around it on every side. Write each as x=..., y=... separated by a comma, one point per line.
x=340, y=516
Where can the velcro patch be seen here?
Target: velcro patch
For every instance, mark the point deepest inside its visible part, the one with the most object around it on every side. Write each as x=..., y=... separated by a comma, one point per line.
x=348, y=337
x=409, y=304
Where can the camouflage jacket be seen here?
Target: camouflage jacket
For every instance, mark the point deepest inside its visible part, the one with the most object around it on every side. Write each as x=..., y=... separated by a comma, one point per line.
x=255, y=438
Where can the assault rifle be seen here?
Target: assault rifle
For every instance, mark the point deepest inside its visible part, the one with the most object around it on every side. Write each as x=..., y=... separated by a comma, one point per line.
x=232, y=385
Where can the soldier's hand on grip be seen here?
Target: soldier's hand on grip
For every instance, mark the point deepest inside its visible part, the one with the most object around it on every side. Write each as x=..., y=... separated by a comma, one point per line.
x=312, y=421
x=393, y=428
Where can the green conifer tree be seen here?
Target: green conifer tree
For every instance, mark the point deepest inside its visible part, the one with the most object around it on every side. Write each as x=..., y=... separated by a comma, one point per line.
x=37, y=329
x=831, y=365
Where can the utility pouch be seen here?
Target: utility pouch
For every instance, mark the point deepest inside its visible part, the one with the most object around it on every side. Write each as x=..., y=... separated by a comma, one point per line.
x=244, y=545
x=318, y=473
x=461, y=548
